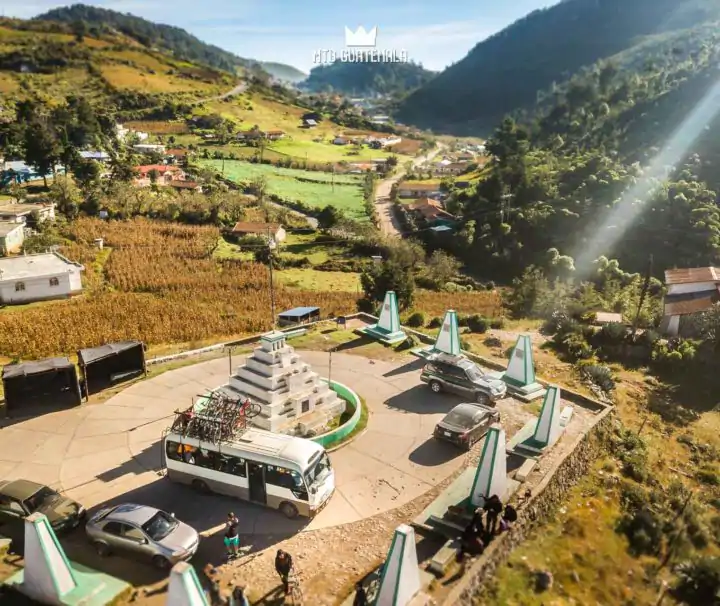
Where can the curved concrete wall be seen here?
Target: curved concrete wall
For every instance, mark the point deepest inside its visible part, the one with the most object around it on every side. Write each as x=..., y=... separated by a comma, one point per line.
x=329, y=439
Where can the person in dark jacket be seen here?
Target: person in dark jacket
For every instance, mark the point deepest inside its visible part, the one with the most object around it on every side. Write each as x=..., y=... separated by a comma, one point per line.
x=283, y=566
x=477, y=520
x=360, y=595
x=494, y=508
x=470, y=542
x=510, y=515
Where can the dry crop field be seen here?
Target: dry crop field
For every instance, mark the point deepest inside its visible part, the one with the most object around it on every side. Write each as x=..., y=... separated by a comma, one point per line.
x=158, y=282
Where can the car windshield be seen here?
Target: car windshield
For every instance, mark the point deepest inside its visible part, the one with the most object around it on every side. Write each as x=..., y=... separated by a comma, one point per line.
x=159, y=526
x=318, y=471
x=458, y=419
x=474, y=374
x=41, y=498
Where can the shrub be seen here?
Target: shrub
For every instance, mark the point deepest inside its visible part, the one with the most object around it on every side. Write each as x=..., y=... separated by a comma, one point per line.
x=599, y=375
x=633, y=497
x=408, y=343
x=577, y=348
x=465, y=345
x=436, y=322
x=366, y=306
x=631, y=450
x=478, y=324
x=497, y=323
x=643, y=530
x=492, y=342
x=490, y=285
x=708, y=475
x=612, y=333
x=673, y=355
x=462, y=320
x=416, y=320
x=699, y=581
x=648, y=338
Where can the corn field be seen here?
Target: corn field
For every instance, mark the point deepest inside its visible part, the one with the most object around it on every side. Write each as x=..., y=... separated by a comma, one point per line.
x=157, y=282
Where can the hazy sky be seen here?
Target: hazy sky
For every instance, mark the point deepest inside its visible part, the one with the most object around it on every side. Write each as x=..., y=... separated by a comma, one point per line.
x=434, y=33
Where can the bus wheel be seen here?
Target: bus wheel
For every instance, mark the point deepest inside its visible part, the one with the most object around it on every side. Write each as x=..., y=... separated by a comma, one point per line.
x=200, y=486
x=289, y=510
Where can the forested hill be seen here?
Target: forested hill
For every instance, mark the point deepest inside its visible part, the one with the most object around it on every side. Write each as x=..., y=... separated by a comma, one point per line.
x=382, y=78
x=152, y=35
x=552, y=183
x=505, y=72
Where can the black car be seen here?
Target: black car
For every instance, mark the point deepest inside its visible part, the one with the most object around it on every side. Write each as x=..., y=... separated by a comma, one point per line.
x=457, y=374
x=21, y=498
x=465, y=424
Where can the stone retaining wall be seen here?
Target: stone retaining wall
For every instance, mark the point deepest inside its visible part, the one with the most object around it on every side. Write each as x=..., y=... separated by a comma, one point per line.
x=546, y=498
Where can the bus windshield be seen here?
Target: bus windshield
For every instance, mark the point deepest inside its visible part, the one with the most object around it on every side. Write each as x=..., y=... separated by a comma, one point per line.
x=318, y=471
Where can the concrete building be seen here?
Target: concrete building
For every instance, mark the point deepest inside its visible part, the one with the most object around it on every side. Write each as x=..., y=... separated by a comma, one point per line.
x=12, y=236
x=19, y=213
x=38, y=277
x=689, y=291
x=245, y=228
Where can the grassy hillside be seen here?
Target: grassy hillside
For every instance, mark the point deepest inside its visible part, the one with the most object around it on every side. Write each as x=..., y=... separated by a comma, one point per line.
x=367, y=78
x=46, y=60
x=508, y=70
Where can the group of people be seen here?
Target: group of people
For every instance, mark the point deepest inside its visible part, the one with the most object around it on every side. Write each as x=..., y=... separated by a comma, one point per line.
x=478, y=534
x=237, y=596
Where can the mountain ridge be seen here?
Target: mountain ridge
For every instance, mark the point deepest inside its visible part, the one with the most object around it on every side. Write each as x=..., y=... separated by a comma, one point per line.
x=506, y=71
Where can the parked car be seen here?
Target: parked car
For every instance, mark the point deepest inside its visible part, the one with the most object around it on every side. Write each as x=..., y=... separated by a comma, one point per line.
x=21, y=498
x=465, y=424
x=142, y=531
x=459, y=375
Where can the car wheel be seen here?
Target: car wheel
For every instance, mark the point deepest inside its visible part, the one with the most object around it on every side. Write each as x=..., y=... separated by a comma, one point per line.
x=160, y=562
x=102, y=549
x=435, y=386
x=482, y=398
x=200, y=486
x=289, y=510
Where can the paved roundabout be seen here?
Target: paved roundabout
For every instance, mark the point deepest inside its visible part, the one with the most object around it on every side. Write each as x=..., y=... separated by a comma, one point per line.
x=110, y=452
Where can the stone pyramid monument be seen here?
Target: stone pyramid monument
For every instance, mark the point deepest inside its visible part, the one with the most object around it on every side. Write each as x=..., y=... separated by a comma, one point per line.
x=400, y=580
x=520, y=373
x=447, y=341
x=491, y=475
x=184, y=587
x=292, y=398
x=50, y=578
x=388, y=329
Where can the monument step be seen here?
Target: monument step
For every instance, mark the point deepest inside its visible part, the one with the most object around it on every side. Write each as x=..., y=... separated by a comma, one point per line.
x=445, y=556
x=445, y=527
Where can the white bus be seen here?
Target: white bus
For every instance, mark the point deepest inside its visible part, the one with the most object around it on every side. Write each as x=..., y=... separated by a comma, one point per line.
x=291, y=474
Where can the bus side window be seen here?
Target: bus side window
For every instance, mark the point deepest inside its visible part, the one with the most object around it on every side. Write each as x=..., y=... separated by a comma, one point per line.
x=232, y=465
x=172, y=450
x=207, y=459
x=284, y=478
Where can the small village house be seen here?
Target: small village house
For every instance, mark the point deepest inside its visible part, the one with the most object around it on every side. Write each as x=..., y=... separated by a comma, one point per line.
x=689, y=291
x=341, y=141
x=251, y=135
x=309, y=123
x=166, y=174
x=275, y=135
x=38, y=277
x=431, y=211
x=20, y=213
x=12, y=237
x=273, y=230
x=98, y=156
x=177, y=155
x=419, y=190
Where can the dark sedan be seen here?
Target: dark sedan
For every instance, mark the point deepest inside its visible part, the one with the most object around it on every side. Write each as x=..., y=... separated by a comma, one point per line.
x=465, y=424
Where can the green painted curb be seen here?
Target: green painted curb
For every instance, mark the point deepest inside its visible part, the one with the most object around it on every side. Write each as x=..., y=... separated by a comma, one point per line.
x=340, y=433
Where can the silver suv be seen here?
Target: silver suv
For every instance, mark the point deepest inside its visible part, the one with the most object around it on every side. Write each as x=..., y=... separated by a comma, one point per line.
x=142, y=531
x=459, y=375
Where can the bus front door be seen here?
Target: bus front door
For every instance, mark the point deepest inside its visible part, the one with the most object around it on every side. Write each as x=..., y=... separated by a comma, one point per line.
x=256, y=480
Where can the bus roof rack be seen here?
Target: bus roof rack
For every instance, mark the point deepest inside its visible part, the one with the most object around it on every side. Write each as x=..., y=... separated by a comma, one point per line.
x=216, y=417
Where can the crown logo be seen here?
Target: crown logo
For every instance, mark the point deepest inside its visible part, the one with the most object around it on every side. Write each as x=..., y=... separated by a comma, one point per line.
x=360, y=37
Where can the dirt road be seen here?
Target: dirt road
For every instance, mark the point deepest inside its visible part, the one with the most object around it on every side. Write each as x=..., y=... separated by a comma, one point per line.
x=389, y=224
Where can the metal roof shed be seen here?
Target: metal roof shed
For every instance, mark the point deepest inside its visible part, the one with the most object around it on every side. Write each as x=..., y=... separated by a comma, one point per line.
x=48, y=383
x=111, y=363
x=299, y=315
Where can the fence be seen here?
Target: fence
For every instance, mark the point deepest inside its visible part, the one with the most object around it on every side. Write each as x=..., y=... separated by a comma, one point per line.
x=331, y=438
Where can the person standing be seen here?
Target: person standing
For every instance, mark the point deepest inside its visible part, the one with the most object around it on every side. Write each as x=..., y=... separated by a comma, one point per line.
x=360, y=595
x=283, y=566
x=494, y=508
x=238, y=597
x=232, y=539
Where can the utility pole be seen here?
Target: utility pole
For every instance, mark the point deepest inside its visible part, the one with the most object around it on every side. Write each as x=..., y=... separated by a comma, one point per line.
x=646, y=285
x=271, y=247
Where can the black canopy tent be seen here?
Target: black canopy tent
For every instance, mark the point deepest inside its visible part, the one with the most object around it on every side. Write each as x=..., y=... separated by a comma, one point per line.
x=111, y=363
x=52, y=382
